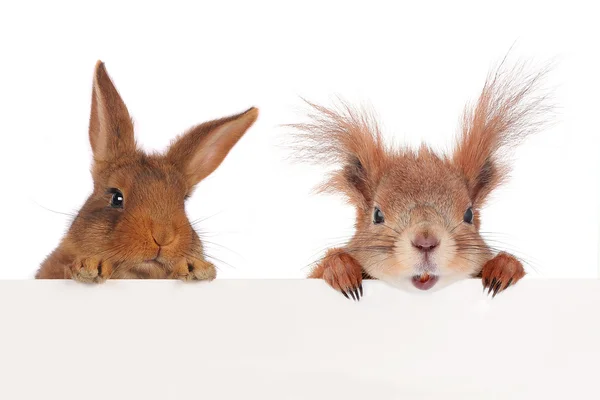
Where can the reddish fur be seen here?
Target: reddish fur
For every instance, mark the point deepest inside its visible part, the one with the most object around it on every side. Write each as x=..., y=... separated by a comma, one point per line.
x=507, y=111
x=151, y=236
x=501, y=272
x=421, y=192
x=341, y=271
x=350, y=138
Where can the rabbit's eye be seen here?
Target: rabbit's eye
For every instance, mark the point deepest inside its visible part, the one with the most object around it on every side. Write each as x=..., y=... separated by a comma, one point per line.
x=468, y=217
x=378, y=216
x=116, y=201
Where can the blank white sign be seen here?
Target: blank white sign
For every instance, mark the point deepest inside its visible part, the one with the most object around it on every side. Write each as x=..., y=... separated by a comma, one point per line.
x=297, y=339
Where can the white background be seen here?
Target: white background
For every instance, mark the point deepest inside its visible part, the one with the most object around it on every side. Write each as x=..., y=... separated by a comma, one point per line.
x=177, y=65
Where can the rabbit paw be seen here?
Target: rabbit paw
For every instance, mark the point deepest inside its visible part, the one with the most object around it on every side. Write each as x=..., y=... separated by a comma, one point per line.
x=342, y=272
x=91, y=270
x=195, y=269
x=501, y=272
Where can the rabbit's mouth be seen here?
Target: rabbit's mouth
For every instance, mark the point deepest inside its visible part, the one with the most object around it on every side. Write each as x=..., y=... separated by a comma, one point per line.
x=158, y=259
x=157, y=262
x=149, y=269
x=154, y=261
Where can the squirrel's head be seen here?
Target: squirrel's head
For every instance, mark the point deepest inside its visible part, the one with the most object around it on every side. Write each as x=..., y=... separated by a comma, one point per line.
x=418, y=212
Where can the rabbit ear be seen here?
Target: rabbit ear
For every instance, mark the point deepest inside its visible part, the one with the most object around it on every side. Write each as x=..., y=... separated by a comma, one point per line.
x=202, y=149
x=111, y=128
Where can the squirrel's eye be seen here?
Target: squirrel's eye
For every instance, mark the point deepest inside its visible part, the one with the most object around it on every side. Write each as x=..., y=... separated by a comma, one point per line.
x=468, y=217
x=116, y=201
x=378, y=216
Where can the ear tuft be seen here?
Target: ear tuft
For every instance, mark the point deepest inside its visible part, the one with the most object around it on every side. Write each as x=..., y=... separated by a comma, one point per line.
x=347, y=139
x=511, y=106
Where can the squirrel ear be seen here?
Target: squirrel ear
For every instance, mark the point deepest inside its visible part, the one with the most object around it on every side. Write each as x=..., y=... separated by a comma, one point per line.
x=202, y=149
x=111, y=128
x=348, y=138
x=483, y=178
x=510, y=108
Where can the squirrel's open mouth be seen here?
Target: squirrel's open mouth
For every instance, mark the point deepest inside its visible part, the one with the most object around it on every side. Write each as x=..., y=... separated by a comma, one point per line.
x=424, y=281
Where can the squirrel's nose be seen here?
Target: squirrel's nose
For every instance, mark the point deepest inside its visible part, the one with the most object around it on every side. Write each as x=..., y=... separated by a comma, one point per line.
x=425, y=242
x=164, y=236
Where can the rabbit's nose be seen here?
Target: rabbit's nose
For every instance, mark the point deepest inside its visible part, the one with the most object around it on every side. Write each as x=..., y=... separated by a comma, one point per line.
x=163, y=237
x=425, y=242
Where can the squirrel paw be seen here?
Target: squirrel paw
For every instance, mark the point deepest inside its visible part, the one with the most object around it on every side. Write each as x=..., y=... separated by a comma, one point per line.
x=195, y=269
x=501, y=272
x=343, y=273
x=91, y=270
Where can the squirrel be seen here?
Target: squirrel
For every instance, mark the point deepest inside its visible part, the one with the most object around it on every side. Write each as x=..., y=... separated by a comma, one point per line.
x=418, y=213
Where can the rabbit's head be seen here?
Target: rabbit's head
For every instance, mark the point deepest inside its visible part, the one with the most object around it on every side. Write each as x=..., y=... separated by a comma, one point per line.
x=135, y=216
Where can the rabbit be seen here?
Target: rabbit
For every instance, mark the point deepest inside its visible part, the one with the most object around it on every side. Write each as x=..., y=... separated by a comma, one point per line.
x=134, y=225
x=418, y=213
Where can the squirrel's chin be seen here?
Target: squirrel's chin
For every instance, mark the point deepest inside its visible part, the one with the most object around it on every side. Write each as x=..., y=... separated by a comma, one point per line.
x=422, y=283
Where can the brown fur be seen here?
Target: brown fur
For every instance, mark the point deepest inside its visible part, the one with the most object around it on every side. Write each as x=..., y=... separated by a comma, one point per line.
x=151, y=236
x=421, y=194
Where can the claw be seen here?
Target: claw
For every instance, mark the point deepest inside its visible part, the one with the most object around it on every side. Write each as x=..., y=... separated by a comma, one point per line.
x=497, y=288
x=345, y=294
x=508, y=284
x=352, y=294
x=361, y=289
x=492, y=285
x=356, y=293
